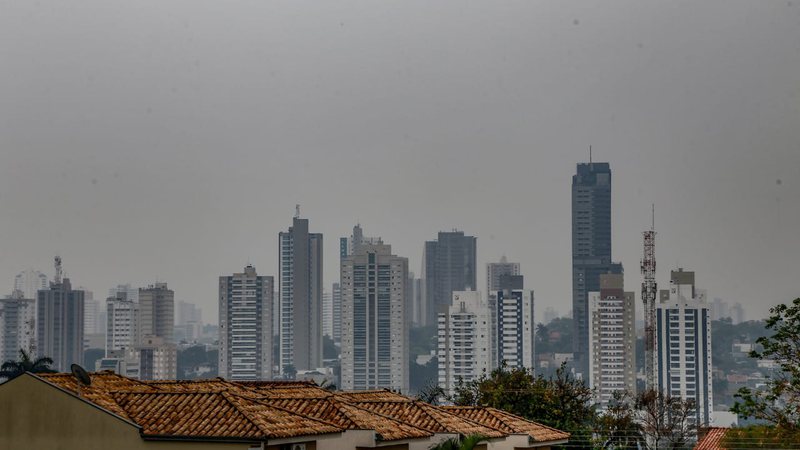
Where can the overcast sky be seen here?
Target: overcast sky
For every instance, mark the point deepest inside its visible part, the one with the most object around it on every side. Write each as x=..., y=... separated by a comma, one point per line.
x=171, y=140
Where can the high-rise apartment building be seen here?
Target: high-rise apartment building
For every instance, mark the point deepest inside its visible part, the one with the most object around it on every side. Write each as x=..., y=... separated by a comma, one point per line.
x=245, y=325
x=374, y=349
x=131, y=293
x=591, y=248
x=59, y=324
x=336, y=306
x=17, y=326
x=497, y=269
x=300, y=286
x=156, y=359
x=449, y=264
x=612, y=339
x=157, y=312
x=464, y=350
x=121, y=322
x=91, y=309
x=684, y=343
x=327, y=314
x=30, y=282
x=416, y=301
x=514, y=333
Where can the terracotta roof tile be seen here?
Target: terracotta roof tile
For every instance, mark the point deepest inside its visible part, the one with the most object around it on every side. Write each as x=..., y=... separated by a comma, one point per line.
x=428, y=417
x=712, y=440
x=508, y=423
x=351, y=416
x=98, y=392
x=214, y=414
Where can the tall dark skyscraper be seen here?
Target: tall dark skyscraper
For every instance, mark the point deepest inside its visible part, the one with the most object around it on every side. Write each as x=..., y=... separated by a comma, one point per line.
x=300, y=286
x=591, y=248
x=448, y=264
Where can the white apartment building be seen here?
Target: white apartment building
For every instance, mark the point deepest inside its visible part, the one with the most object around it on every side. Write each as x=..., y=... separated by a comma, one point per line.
x=374, y=347
x=30, y=282
x=245, y=325
x=464, y=349
x=121, y=323
x=17, y=326
x=612, y=339
x=684, y=343
x=513, y=323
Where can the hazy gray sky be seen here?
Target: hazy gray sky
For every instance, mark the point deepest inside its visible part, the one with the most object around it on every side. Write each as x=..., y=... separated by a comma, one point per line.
x=172, y=139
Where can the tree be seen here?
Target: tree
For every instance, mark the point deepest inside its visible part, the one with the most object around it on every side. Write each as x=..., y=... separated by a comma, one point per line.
x=561, y=401
x=12, y=369
x=666, y=422
x=779, y=402
x=431, y=393
x=467, y=443
x=617, y=427
x=761, y=436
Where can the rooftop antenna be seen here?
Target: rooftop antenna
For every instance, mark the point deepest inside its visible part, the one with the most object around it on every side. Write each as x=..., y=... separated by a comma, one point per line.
x=590, y=154
x=59, y=271
x=297, y=211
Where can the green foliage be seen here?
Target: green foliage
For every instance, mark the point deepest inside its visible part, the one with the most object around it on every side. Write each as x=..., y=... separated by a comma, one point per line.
x=420, y=376
x=12, y=369
x=779, y=402
x=431, y=393
x=466, y=443
x=617, y=427
x=665, y=422
x=761, y=436
x=422, y=340
x=562, y=401
x=194, y=356
x=554, y=337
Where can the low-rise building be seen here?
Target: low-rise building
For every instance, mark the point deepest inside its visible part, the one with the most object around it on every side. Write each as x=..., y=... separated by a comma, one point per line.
x=111, y=411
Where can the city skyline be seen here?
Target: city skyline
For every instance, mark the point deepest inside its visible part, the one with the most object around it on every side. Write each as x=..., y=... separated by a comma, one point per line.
x=702, y=123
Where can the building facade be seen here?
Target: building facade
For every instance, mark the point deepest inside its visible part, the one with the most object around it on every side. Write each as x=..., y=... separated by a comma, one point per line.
x=157, y=312
x=449, y=264
x=30, y=282
x=684, y=343
x=336, y=307
x=300, y=286
x=612, y=339
x=59, y=324
x=464, y=335
x=122, y=329
x=374, y=348
x=497, y=269
x=245, y=325
x=513, y=322
x=17, y=326
x=591, y=248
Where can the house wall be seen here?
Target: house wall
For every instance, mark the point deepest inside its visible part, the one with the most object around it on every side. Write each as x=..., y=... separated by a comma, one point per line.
x=34, y=414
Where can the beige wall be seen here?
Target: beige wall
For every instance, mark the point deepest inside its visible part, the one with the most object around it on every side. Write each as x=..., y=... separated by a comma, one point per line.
x=36, y=415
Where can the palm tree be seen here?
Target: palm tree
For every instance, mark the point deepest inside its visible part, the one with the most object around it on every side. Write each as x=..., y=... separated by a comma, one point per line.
x=467, y=443
x=12, y=369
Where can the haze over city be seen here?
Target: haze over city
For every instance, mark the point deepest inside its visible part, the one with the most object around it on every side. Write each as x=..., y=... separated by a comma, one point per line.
x=171, y=142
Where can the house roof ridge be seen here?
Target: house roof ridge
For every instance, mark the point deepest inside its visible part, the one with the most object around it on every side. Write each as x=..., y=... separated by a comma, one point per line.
x=280, y=408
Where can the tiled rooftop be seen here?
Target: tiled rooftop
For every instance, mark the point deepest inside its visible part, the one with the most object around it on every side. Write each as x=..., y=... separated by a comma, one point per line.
x=508, y=423
x=217, y=408
x=712, y=439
